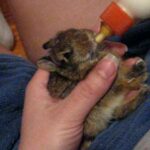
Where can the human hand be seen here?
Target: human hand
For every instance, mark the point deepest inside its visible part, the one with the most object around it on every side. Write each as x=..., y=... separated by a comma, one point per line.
x=50, y=123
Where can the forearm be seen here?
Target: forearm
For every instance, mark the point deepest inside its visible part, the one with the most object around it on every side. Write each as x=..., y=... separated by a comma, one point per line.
x=38, y=20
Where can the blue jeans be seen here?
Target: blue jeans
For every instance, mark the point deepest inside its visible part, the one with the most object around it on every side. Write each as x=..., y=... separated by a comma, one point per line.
x=15, y=74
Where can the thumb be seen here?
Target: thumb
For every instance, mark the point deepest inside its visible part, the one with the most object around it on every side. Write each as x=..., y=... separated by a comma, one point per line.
x=37, y=87
x=40, y=79
x=89, y=91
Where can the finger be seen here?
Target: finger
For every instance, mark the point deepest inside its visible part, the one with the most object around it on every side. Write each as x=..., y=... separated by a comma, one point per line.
x=89, y=91
x=40, y=79
x=37, y=91
x=117, y=47
x=131, y=61
x=37, y=87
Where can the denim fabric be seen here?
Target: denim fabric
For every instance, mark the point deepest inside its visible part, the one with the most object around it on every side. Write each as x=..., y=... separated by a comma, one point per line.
x=15, y=73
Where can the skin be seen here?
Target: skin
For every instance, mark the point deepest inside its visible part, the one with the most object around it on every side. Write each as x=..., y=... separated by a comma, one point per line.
x=47, y=122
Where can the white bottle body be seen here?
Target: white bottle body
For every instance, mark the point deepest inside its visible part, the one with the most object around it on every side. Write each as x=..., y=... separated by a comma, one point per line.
x=139, y=9
x=6, y=36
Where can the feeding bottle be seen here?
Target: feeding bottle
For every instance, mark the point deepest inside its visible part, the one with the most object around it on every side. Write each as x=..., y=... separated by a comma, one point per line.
x=120, y=15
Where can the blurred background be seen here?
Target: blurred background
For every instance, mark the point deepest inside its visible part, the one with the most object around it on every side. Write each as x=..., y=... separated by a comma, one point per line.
x=18, y=47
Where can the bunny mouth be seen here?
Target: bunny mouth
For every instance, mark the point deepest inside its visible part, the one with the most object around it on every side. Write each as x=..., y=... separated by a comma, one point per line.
x=47, y=63
x=51, y=59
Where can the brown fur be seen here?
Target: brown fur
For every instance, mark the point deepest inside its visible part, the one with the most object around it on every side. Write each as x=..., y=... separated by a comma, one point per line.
x=72, y=54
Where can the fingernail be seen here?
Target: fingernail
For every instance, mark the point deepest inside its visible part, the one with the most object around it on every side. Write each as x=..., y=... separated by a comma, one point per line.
x=108, y=66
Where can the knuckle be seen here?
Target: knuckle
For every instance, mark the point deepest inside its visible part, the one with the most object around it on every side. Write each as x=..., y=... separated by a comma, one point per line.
x=90, y=88
x=94, y=84
x=87, y=89
x=100, y=75
x=98, y=78
x=29, y=87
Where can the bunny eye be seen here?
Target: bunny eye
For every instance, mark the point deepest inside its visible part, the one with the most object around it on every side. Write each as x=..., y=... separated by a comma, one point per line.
x=68, y=54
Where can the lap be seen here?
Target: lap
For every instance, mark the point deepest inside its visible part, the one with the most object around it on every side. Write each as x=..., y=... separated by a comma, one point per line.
x=15, y=74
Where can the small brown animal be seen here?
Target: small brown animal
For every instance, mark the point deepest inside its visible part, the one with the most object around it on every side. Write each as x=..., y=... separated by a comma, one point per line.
x=72, y=54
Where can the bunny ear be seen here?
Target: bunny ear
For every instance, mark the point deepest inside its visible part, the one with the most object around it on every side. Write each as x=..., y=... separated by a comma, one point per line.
x=46, y=64
x=51, y=43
